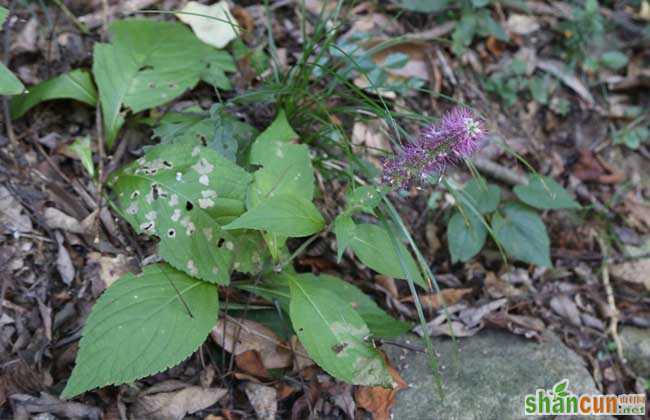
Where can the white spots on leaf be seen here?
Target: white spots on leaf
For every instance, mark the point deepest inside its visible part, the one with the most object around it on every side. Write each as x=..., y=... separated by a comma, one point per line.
x=191, y=267
x=203, y=179
x=215, y=270
x=203, y=167
x=176, y=215
x=151, y=216
x=189, y=226
x=171, y=233
x=230, y=246
x=148, y=227
x=196, y=151
x=133, y=208
x=179, y=176
x=207, y=232
x=209, y=193
x=135, y=194
x=205, y=203
x=173, y=200
x=279, y=153
x=236, y=265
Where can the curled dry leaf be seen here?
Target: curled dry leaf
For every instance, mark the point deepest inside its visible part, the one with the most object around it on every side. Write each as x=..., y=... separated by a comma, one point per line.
x=559, y=70
x=378, y=400
x=214, y=24
x=263, y=399
x=435, y=301
x=521, y=24
x=175, y=405
x=633, y=272
x=105, y=270
x=47, y=403
x=638, y=211
x=13, y=217
x=64, y=262
x=301, y=360
x=371, y=135
x=56, y=219
x=566, y=308
x=251, y=335
x=251, y=363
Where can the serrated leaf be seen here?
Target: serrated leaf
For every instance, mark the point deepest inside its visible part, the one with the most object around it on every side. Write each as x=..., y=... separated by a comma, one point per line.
x=284, y=215
x=521, y=232
x=482, y=196
x=545, y=193
x=373, y=246
x=465, y=236
x=185, y=199
x=76, y=84
x=335, y=335
x=140, y=326
x=148, y=64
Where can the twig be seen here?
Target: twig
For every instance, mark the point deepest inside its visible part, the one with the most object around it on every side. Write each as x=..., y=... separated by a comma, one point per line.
x=84, y=30
x=498, y=172
x=613, y=311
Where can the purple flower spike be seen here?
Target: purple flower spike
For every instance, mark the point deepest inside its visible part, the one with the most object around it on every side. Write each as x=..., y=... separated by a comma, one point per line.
x=459, y=134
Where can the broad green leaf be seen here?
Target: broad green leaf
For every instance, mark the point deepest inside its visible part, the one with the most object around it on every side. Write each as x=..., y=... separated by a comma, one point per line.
x=279, y=130
x=488, y=26
x=149, y=63
x=81, y=147
x=185, y=197
x=76, y=84
x=335, y=335
x=379, y=322
x=521, y=232
x=284, y=215
x=482, y=196
x=465, y=236
x=464, y=33
x=545, y=193
x=373, y=245
x=539, y=89
x=632, y=137
x=219, y=130
x=4, y=12
x=424, y=6
x=615, y=60
x=344, y=228
x=141, y=326
x=251, y=252
x=9, y=83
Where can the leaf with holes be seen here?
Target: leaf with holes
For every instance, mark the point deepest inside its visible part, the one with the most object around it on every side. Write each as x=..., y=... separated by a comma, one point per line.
x=77, y=84
x=141, y=325
x=185, y=197
x=465, y=236
x=335, y=335
x=373, y=245
x=149, y=63
x=522, y=234
x=545, y=193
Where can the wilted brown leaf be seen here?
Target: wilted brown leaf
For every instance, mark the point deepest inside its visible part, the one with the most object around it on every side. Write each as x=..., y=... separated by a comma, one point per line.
x=251, y=335
x=174, y=405
x=251, y=362
x=435, y=301
x=378, y=400
x=633, y=272
x=263, y=399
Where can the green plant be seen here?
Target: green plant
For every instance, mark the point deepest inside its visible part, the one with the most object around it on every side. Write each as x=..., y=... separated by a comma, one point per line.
x=514, y=226
x=9, y=84
x=475, y=19
x=510, y=83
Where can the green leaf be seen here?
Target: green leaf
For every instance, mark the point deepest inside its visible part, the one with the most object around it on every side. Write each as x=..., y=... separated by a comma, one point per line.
x=364, y=198
x=539, y=89
x=284, y=215
x=279, y=130
x=76, y=84
x=148, y=64
x=4, y=12
x=464, y=33
x=344, y=228
x=424, y=6
x=9, y=83
x=396, y=60
x=81, y=147
x=482, y=196
x=522, y=234
x=632, y=137
x=334, y=335
x=545, y=193
x=615, y=60
x=185, y=199
x=465, y=236
x=488, y=26
x=373, y=246
x=140, y=326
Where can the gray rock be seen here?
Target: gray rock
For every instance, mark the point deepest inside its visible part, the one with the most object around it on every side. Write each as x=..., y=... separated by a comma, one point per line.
x=636, y=349
x=496, y=371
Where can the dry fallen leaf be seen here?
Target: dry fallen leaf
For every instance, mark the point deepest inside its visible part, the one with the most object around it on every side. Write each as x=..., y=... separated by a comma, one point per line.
x=521, y=24
x=378, y=400
x=559, y=70
x=63, y=261
x=251, y=335
x=638, y=212
x=175, y=405
x=301, y=360
x=566, y=308
x=435, y=301
x=218, y=29
x=13, y=217
x=633, y=272
x=108, y=269
x=56, y=219
x=372, y=135
x=263, y=399
x=251, y=363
